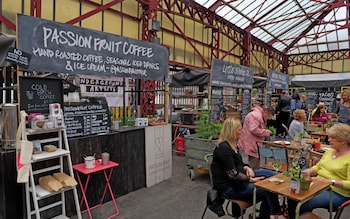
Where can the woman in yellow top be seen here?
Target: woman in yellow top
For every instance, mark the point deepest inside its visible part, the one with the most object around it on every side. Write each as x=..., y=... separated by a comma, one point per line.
x=333, y=168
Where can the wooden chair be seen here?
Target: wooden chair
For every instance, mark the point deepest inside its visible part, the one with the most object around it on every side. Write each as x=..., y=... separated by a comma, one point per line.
x=270, y=154
x=314, y=157
x=238, y=207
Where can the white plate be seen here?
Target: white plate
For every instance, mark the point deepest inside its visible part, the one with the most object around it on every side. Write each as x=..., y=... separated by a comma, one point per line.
x=280, y=142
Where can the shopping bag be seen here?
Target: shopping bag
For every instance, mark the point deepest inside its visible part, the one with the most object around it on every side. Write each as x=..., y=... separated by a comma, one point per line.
x=24, y=151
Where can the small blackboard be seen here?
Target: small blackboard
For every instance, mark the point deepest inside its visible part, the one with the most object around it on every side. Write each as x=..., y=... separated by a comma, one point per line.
x=86, y=119
x=37, y=93
x=278, y=80
x=246, y=101
x=226, y=74
x=64, y=48
x=327, y=97
x=217, y=102
x=18, y=57
x=311, y=98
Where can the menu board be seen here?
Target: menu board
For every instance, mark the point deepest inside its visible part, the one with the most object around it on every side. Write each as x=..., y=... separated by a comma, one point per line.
x=226, y=74
x=278, y=80
x=37, y=93
x=312, y=98
x=86, y=119
x=217, y=103
x=57, y=47
x=327, y=97
x=246, y=98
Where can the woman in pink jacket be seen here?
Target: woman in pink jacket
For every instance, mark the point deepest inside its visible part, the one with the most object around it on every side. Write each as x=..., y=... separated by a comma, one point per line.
x=254, y=130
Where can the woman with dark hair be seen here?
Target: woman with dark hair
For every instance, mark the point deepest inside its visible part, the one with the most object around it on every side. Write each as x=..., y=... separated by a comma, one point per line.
x=234, y=179
x=320, y=114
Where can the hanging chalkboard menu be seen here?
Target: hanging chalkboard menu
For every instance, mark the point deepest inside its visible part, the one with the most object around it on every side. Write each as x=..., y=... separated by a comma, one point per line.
x=37, y=93
x=217, y=103
x=327, y=97
x=311, y=98
x=246, y=98
x=226, y=74
x=56, y=47
x=86, y=119
x=278, y=80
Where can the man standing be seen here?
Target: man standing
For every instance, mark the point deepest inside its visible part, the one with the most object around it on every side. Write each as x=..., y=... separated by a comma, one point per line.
x=283, y=112
x=254, y=130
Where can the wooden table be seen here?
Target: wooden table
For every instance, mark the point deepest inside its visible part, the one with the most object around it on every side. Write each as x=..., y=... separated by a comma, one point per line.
x=283, y=189
x=287, y=147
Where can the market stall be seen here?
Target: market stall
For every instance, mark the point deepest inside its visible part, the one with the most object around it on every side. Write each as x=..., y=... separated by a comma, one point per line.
x=143, y=158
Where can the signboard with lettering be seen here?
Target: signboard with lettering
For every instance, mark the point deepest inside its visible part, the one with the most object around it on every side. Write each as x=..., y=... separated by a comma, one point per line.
x=246, y=101
x=18, y=57
x=278, y=80
x=226, y=74
x=327, y=97
x=37, y=93
x=64, y=48
x=86, y=119
x=217, y=103
x=311, y=98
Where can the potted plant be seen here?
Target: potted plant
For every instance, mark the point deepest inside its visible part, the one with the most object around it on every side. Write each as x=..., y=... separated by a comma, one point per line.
x=298, y=180
x=201, y=143
x=273, y=133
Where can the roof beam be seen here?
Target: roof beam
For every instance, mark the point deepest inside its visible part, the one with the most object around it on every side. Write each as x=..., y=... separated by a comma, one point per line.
x=313, y=24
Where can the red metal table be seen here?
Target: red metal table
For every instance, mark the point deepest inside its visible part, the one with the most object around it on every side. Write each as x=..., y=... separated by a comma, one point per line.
x=80, y=169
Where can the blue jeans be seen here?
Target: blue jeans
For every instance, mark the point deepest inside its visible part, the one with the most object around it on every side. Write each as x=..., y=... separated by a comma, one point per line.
x=319, y=201
x=269, y=201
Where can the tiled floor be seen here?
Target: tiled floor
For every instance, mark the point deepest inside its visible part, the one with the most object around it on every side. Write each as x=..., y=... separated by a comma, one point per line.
x=176, y=198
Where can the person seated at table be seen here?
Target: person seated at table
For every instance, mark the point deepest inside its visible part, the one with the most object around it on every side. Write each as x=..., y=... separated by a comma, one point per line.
x=320, y=114
x=334, y=169
x=297, y=125
x=234, y=179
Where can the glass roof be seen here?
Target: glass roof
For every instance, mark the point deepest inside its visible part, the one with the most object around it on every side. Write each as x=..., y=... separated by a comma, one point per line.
x=293, y=26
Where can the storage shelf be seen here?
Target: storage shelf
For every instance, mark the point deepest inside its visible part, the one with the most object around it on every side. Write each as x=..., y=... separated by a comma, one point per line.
x=49, y=155
x=41, y=193
x=43, y=131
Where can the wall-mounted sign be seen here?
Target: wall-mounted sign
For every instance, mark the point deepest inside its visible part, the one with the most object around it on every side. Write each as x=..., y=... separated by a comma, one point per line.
x=18, y=57
x=278, y=80
x=37, y=93
x=226, y=74
x=64, y=48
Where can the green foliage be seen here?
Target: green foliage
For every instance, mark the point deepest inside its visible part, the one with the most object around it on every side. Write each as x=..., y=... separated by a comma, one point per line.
x=207, y=129
x=272, y=129
x=294, y=172
x=301, y=135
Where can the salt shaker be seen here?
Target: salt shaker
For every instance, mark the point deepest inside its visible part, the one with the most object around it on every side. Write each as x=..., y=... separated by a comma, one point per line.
x=105, y=158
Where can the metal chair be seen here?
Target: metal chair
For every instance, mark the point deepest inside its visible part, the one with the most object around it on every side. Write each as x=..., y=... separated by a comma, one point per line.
x=343, y=211
x=238, y=207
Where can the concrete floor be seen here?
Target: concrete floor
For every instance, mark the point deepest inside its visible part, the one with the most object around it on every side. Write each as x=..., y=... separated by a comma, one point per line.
x=176, y=198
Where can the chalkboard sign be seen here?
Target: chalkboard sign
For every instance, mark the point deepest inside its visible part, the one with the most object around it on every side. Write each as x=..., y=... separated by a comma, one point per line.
x=57, y=47
x=226, y=74
x=278, y=80
x=311, y=98
x=86, y=119
x=246, y=99
x=37, y=93
x=18, y=57
x=217, y=103
x=327, y=97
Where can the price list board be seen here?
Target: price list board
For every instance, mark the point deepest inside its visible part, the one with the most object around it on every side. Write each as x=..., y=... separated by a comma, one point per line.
x=86, y=119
